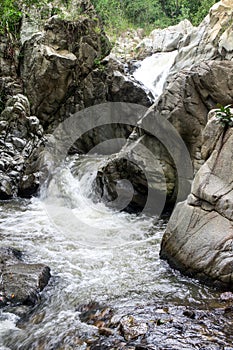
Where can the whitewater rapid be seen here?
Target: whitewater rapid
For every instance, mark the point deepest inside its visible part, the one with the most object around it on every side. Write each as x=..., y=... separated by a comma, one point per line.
x=154, y=70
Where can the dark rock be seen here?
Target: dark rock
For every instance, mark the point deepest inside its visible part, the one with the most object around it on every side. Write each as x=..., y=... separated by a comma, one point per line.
x=149, y=327
x=106, y=331
x=10, y=255
x=189, y=314
x=21, y=139
x=95, y=314
x=20, y=282
x=110, y=186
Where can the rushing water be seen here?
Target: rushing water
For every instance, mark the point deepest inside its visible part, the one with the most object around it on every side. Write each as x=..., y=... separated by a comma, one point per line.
x=154, y=70
x=109, y=257
x=106, y=257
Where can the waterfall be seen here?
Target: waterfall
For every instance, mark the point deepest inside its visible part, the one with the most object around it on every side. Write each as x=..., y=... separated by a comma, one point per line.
x=91, y=223
x=154, y=71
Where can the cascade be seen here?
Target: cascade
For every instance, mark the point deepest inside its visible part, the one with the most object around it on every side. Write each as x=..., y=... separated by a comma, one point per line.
x=154, y=70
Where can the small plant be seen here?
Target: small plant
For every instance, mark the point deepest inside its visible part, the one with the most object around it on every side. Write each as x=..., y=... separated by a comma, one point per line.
x=225, y=115
x=98, y=64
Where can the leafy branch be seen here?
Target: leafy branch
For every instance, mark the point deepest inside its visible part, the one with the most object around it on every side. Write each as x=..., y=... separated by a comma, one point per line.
x=224, y=115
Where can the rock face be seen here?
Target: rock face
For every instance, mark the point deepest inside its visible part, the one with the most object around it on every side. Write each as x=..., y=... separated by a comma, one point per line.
x=56, y=60
x=10, y=83
x=59, y=69
x=199, y=79
x=21, y=139
x=199, y=237
x=20, y=282
x=212, y=39
x=63, y=72
x=164, y=40
x=185, y=104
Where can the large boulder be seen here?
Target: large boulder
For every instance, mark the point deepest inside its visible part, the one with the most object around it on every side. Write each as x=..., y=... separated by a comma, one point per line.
x=199, y=237
x=164, y=40
x=55, y=61
x=107, y=82
x=64, y=70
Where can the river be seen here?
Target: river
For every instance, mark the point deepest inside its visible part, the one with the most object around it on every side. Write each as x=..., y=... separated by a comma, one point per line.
x=108, y=258
x=119, y=268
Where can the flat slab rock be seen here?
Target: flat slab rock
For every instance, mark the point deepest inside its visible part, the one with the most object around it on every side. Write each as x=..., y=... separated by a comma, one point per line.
x=20, y=282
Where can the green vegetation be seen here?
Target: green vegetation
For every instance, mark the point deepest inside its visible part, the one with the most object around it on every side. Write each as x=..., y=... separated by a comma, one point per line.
x=11, y=13
x=118, y=15
x=224, y=115
x=10, y=16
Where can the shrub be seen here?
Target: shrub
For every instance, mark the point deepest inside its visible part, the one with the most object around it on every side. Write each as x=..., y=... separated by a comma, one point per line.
x=224, y=115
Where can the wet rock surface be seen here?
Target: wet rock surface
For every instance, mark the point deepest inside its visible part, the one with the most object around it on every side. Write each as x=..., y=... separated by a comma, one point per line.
x=112, y=183
x=151, y=326
x=20, y=282
x=148, y=327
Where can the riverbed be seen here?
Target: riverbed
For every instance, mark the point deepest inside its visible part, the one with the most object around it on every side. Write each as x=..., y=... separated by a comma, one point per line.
x=100, y=260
